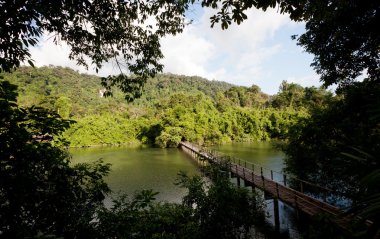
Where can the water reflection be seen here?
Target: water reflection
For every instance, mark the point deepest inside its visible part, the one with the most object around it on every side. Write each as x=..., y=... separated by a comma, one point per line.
x=135, y=168
x=270, y=158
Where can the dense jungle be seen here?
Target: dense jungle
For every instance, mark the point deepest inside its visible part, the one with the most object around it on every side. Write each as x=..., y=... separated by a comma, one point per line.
x=329, y=138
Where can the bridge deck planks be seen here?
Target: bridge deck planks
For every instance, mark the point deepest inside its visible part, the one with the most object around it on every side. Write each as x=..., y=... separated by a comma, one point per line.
x=296, y=199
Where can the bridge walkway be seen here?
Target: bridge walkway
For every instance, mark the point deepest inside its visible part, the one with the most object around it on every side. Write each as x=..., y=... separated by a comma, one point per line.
x=294, y=198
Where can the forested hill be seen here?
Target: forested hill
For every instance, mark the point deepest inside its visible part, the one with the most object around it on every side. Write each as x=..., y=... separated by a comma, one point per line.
x=53, y=87
x=167, y=84
x=171, y=108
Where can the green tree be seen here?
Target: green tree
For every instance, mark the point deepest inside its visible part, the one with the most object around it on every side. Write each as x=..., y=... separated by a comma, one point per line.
x=98, y=30
x=104, y=129
x=246, y=96
x=340, y=56
x=216, y=206
x=289, y=95
x=317, y=143
x=40, y=192
x=63, y=106
x=170, y=138
x=142, y=217
x=207, y=211
x=317, y=97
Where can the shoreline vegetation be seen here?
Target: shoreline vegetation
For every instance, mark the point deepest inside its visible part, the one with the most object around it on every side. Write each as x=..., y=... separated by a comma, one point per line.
x=104, y=145
x=276, y=143
x=161, y=118
x=171, y=108
x=333, y=140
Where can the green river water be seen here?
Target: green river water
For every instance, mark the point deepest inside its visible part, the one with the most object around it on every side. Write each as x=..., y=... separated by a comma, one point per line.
x=136, y=168
x=139, y=167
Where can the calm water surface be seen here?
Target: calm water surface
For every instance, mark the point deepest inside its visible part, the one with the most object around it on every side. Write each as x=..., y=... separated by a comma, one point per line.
x=135, y=168
x=265, y=155
x=138, y=167
x=260, y=153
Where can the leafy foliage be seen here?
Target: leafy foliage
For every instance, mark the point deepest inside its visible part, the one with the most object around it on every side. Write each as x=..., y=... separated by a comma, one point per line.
x=96, y=31
x=316, y=145
x=45, y=85
x=171, y=108
x=340, y=56
x=142, y=217
x=40, y=192
x=216, y=210
x=222, y=209
x=368, y=206
x=105, y=129
x=246, y=97
x=42, y=195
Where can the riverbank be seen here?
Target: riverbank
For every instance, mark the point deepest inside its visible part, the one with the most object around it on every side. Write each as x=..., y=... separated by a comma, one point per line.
x=141, y=168
x=106, y=145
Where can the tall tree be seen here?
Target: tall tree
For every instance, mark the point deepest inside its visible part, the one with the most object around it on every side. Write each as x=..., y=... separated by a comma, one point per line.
x=40, y=193
x=343, y=36
x=96, y=31
x=105, y=30
x=289, y=95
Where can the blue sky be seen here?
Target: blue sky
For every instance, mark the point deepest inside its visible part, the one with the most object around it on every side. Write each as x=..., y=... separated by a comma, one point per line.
x=259, y=51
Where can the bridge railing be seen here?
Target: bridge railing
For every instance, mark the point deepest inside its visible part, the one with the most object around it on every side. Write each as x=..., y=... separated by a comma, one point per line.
x=316, y=191
x=282, y=189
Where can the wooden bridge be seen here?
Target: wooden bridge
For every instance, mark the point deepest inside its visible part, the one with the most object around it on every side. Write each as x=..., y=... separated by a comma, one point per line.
x=279, y=190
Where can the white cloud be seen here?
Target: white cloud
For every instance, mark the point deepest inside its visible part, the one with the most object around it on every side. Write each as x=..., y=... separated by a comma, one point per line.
x=258, y=51
x=305, y=81
x=235, y=55
x=259, y=27
x=186, y=53
x=49, y=53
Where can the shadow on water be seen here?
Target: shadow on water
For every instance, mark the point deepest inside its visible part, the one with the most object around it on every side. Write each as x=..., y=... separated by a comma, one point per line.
x=135, y=168
x=270, y=157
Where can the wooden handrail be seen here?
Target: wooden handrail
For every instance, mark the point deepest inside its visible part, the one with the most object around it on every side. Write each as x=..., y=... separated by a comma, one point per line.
x=300, y=200
x=284, y=175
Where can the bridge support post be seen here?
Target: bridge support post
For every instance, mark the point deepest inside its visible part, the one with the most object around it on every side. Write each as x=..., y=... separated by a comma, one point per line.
x=253, y=182
x=247, y=183
x=276, y=215
x=268, y=196
x=269, y=190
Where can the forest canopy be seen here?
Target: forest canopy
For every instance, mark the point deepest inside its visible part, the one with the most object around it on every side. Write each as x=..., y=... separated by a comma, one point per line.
x=339, y=132
x=171, y=108
x=121, y=31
